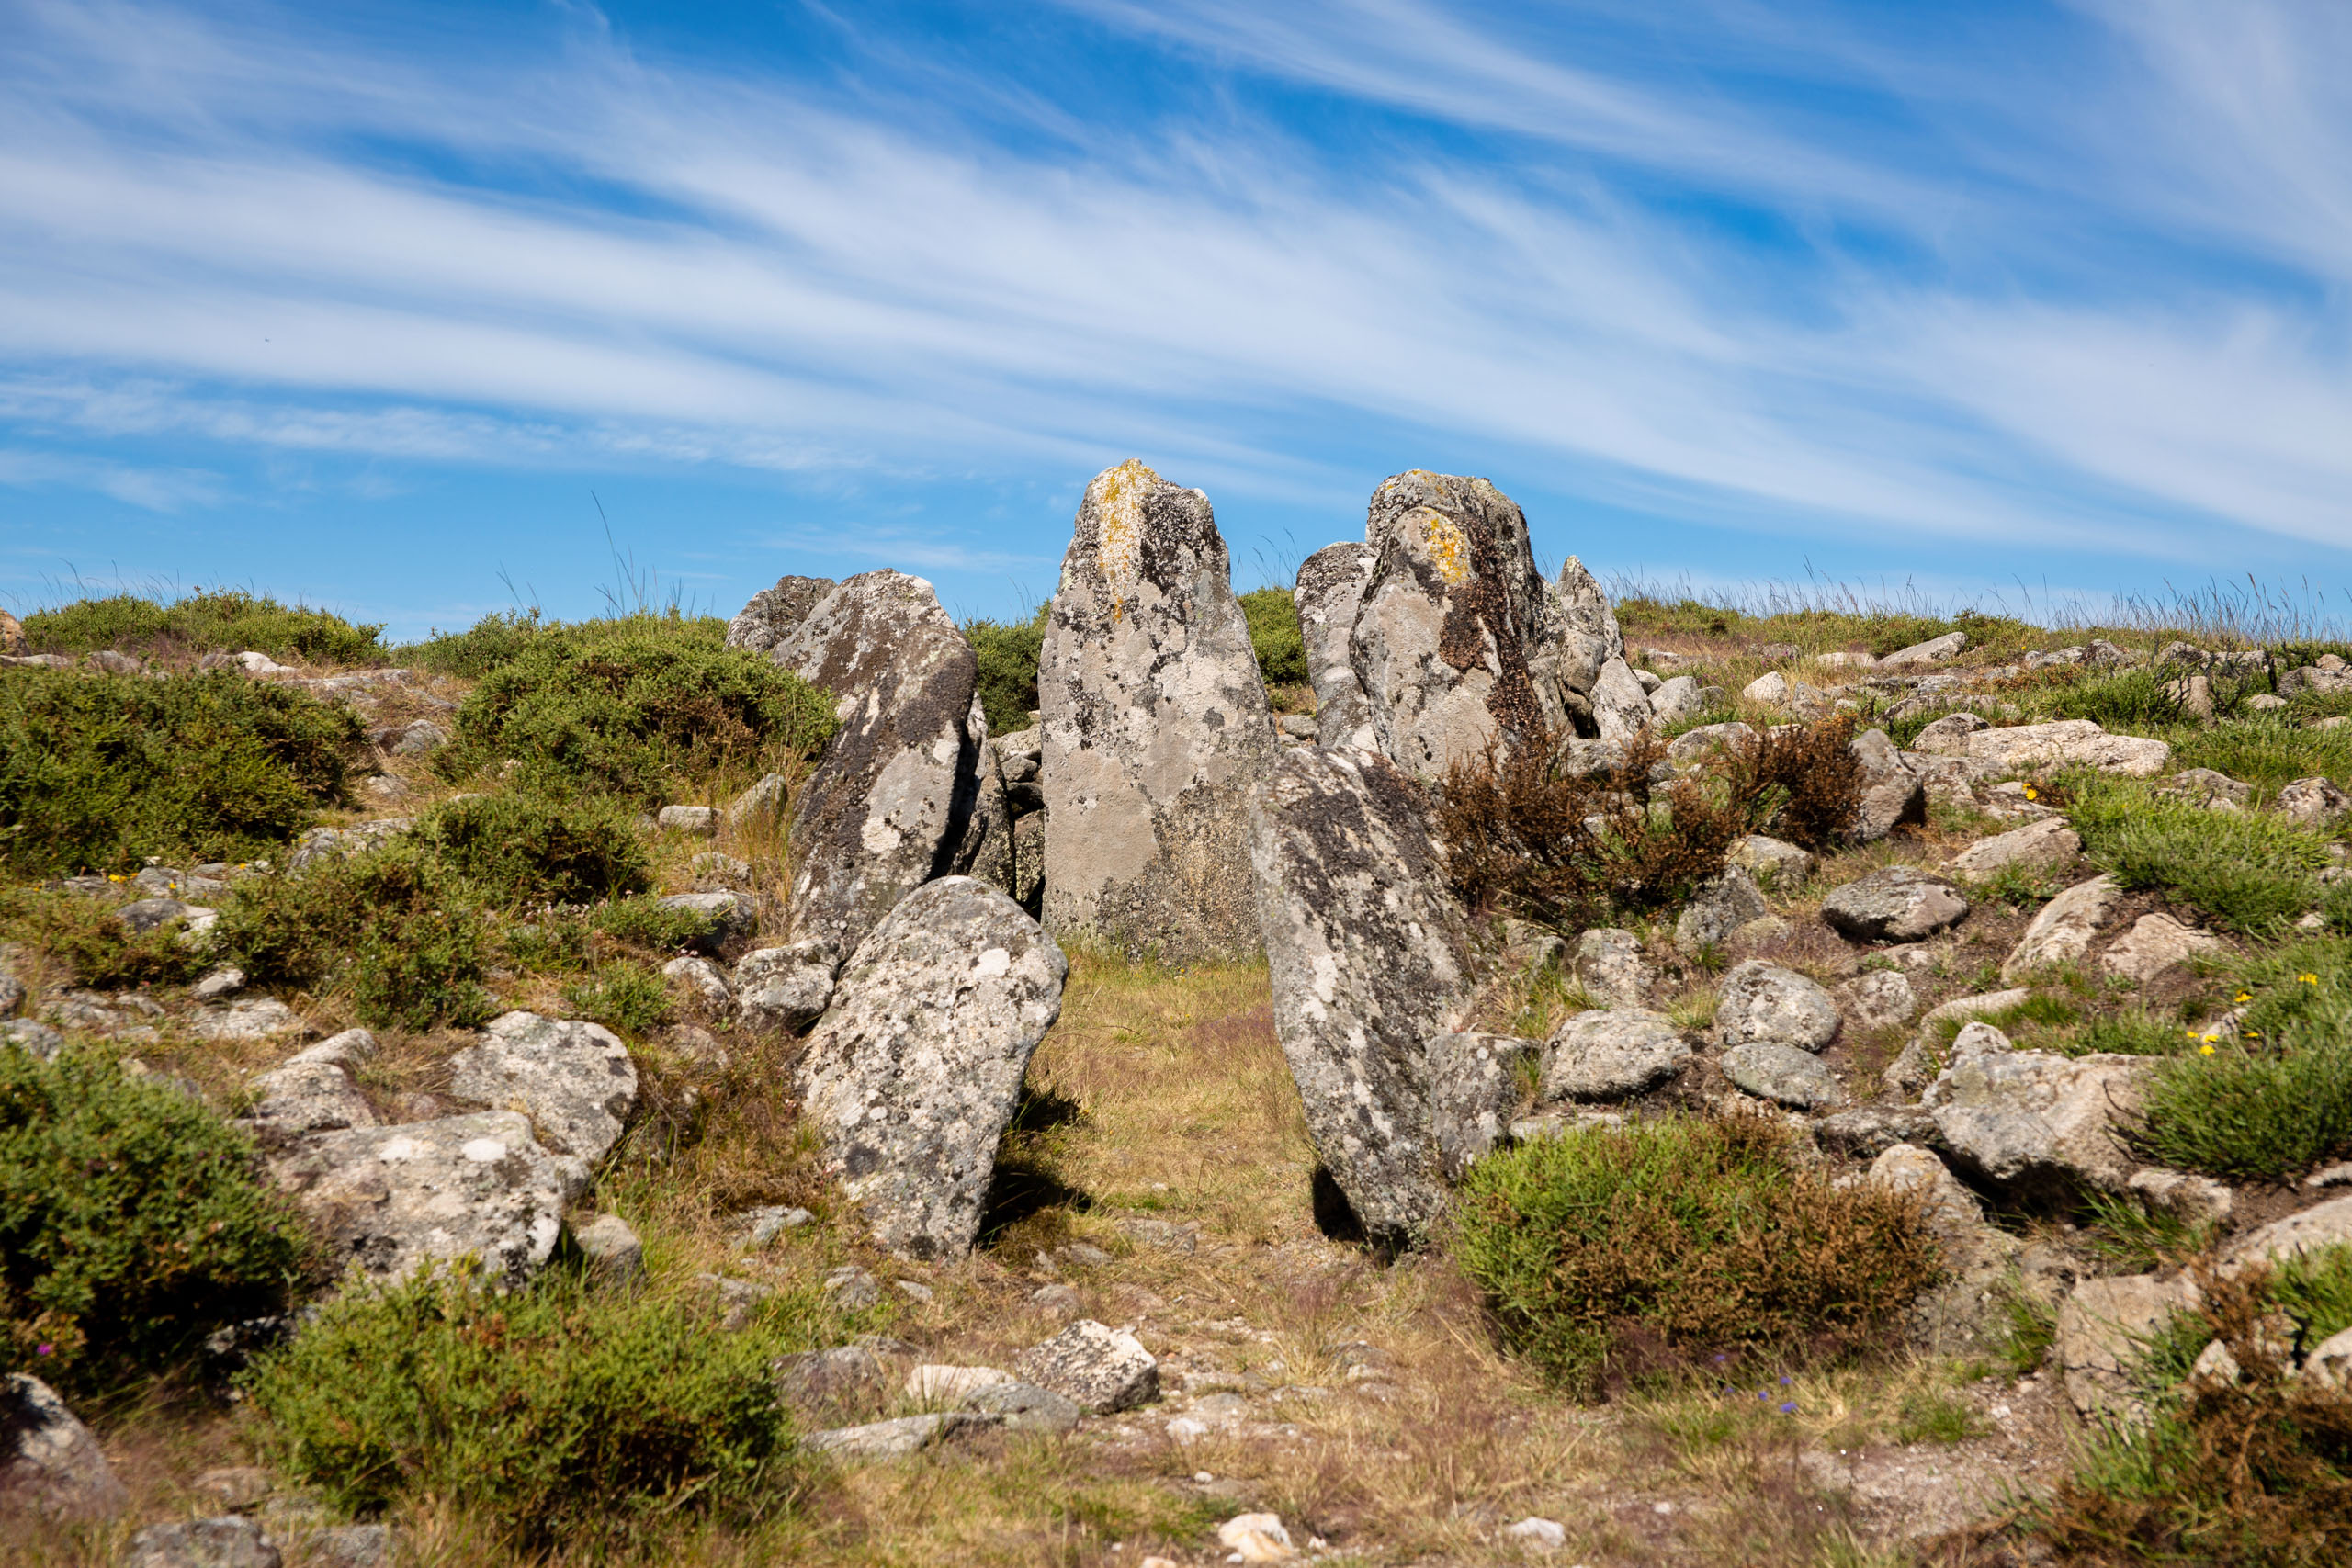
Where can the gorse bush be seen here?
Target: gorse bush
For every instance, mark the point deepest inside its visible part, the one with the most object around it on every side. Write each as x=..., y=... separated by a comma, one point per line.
x=1600, y=1250
x=1008, y=652
x=225, y=621
x=1275, y=637
x=502, y=636
x=98, y=772
x=2250, y=870
x=624, y=717
x=563, y=1411
x=133, y=1222
x=522, y=849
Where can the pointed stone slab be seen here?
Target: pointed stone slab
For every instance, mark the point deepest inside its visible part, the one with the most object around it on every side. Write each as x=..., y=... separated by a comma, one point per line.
x=1329, y=591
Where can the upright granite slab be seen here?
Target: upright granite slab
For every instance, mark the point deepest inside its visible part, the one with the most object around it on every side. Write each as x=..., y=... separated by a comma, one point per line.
x=1156, y=726
x=1370, y=961
x=1329, y=593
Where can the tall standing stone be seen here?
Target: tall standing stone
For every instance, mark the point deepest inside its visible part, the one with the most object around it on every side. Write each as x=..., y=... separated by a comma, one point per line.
x=775, y=614
x=887, y=807
x=1156, y=726
x=1370, y=961
x=1452, y=617
x=1329, y=591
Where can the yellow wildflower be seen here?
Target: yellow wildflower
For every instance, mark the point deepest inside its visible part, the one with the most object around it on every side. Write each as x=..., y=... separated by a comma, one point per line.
x=2244, y=997
x=2030, y=794
x=2308, y=980
x=2204, y=1050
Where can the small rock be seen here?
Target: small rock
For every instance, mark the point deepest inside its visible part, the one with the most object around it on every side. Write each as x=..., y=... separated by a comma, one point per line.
x=851, y=1289
x=1719, y=906
x=934, y=1384
x=754, y=1228
x=731, y=916
x=416, y=737
x=2198, y=1200
x=1475, y=1083
x=2036, y=846
x=1772, y=863
x=1898, y=903
x=52, y=1464
x=888, y=1439
x=1161, y=1235
x=763, y=802
x=1612, y=1055
x=2062, y=932
x=611, y=1246
x=146, y=914
x=915, y=1291
x=1765, y=1003
x=2313, y=802
x=1879, y=1000
x=1893, y=794
x=311, y=1092
x=718, y=865
x=225, y=981
x=814, y=1379
x=701, y=978
x=235, y=1487
x=1537, y=1535
x=2103, y=1329
x=2329, y=1364
x=34, y=1039
x=1255, y=1538
x=1095, y=1367
x=1948, y=737
x=1868, y=1133
x=701, y=821
x=1023, y=1408
x=256, y=1020
x=2156, y=944
x=1063, y=1299
x=226, y=1542
x=1692, y=744
x=1678, y=699
x=2326, y=1224
x=2068, y=742
x=1609, y=965
x=1772, y=689
x=2206, y=787
x=352, y=1546
x=786, y=988
x=1782, y=1074
x=1935, y=650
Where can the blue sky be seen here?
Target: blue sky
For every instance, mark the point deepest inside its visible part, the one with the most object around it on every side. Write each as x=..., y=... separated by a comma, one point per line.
x=374, y=307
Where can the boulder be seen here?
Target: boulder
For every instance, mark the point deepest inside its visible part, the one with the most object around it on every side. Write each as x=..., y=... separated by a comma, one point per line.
x=573, y=1079
x=1609, y=965
x=912, y=1075
x=2313, y=802
x=1770, y=688
x=1621, y=706
x=1331, y=590
x=2062, y=932
x=391, y=1200
x=1477, y=1082
x=1369, y=955
x=1094, y=1367
x=2156, y=943
x=700, y=980
x=786, y=988
x=50, y=1463
x=1880, y=999
x=1450, y=615
x=1948, y=737
x=2037, y=1124
x=1969, y=1309
x=731, y=916
x=1893, y=794
x=1612, y=1055
x=1156, y=726
x=697, y=821
x=1024, y=1407
x=2104, y=1330
x=888, y=1440
x=1575, y=645
x=886, y=805
x=256, y=1020
x=2206, y=788
x=1678, y=699
x=1867, y=1134
x=1693, y=744
x=1719, y=906
x=1783, y=1074
x=1896, y=903
x=2326, y=1224
x=611, y=1247
x=230, y=1541
x=312, y=1091
x=2038, y=846
x=1772, y=863
x=1763, y=1003
x=2068, y=742
x=1935, y=650
x=775, y=614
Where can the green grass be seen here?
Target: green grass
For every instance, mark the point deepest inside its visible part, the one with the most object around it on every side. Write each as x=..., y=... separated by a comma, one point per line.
x=225, y=620
x=502, y=638
x=627, y=998
x=1275, y=636
x=2134, y=1239
x=1007, y=652
x=1602, y=1250
x=568, y=1413
x=2262, y=1110
x=99, y=772
x=132, y=1223
x=1881, y=628
x=2251, y=871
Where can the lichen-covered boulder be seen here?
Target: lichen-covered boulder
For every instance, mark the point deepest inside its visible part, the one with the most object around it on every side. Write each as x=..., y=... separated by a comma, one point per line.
x=2038, y=1125
x=312, y=1091
x=1369, y=955
x=50, y=1465
x=887, y=806
x=1329, y=593
x=1781, y=1074
x=912, y=1075
x=1896, y=903
x=1156, y=726
x=1093, y=1366
x=2062, y=931
x=775, y=614
x=1451, y=617
x=1477, y=1081
x=1611, y=1055
x=1893, y=794
x=572, y=1078
x=1763, y=1003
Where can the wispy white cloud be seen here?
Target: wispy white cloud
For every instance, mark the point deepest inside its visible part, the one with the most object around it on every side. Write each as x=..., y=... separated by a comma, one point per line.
x=165, y=490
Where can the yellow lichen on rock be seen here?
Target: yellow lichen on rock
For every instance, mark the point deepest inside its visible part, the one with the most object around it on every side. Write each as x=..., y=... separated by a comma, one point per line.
x=1448, y=545
x=1118, y=496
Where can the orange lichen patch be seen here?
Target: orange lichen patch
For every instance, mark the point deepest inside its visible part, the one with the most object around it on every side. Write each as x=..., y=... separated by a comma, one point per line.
x=1117, y=495
x=1448, y=545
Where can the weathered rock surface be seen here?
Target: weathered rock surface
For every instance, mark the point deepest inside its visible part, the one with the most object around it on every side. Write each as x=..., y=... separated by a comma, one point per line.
x=1369, y=955
x=2156, y=944
x=1620, y=707
x=1451, y=615
x=731, y=916
x=1693, y=744
x=2313, y=803
x=1331, y=591
x=1609, y=964
x=1893, y=794
x=1772, y=863
x=814, y=1380
x=2038, y=1124
x=1935, y=650
x=1718, y=907
x=610, y=1245
x=50, y=1463
x=1612, y=1055
x=1948, y=737
x=1575, y=645
x=333, y=843
x=2104, y=1329
x=1967, y=1310
x=1896, y=903
x=786, y=988
x=912, y=1075
x=1156, y=726
x=391, y=1200
x=312, y=1091
x=573, y=1079
x=2038, y=846
x=1763, y=1003
x=775, y=614
x=230, y=1541
x=2068, y=742
x=886, y=805
x=700, y=980
x=2062, y=932
x=1879, y=1000
x=1782, y=1074
x=1475, y=1085
x=2327, y=1224
x=256, y=1020
x=1677, y=699
x=888, y=1439
x=1094, y=1367
x=1024, y=1407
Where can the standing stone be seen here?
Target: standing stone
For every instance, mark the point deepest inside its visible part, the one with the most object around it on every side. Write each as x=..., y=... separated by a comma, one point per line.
x=1331, y=591
x=1893, y=794
x=1369, y=956
x=1621, y=708
x=887, y=806
x=1576, y=646
x=987, y=851
x=912, y=1076
x=775, y=614
x=49, y=1464
x=1452, y=614
x=1156, y=726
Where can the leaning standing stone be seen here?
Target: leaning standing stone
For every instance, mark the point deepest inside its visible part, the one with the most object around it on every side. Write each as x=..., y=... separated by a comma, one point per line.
x=910, y=1077
x=1331, y=591
x=1156, y=726
x=887, y=806
x=1369, y=955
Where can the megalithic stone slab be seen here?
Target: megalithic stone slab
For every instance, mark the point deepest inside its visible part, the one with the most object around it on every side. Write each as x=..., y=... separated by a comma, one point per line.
x=888, y=805
x=1453, y=613
x=1329, y=591
x=775, y=614
x=1578, y=643
x=1369, y=960
x=1156, y=726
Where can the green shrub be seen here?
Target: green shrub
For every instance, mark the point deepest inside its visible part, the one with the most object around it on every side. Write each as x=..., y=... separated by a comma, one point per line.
x=627, y=998
x=2266, y=750
x=1275, y=636
x=398, y=930
x=562, y=1411
x=225, y=620
x=95, y=949
x=650, y=925
x=98, y=772
x=625, y=716
x=133, y=1222
x=2246, y=868
x=2262, y=1110
x=1599, y=1249
x=1008, y=652
x=500, y=638
x=524, y=848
